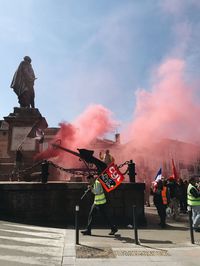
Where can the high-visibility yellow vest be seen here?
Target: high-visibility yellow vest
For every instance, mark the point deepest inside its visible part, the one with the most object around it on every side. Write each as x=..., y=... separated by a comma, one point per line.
x=191, y=200
x=99, y=197
x=164, y=195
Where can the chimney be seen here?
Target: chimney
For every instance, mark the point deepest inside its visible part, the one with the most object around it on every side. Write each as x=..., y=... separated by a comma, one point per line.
x=117, y=138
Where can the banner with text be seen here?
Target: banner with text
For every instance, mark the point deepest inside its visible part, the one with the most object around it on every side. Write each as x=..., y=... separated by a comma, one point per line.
x=111, y=177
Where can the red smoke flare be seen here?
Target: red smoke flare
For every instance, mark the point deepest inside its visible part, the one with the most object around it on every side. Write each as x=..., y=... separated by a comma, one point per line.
x=94, y=122
x=168, y=111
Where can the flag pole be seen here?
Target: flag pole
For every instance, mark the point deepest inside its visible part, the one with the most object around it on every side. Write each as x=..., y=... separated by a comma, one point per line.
x=27, y=135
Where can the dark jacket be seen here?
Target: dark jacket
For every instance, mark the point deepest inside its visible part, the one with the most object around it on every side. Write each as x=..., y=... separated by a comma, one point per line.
x=173, y=189
x=157, y=195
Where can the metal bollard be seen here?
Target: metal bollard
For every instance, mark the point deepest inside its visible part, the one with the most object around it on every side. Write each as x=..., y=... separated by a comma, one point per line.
x=131, y=171
x=190, y=224
x=45, y=171
x=135, y=225
x=77, y=224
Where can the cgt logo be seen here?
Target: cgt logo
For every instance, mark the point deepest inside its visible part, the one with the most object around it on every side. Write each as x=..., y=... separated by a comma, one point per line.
x=111, y=177
x=114, y=173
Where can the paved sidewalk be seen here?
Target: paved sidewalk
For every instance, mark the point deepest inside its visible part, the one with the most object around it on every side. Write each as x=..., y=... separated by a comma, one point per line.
x=161, y=250
x=157, y=246
x=23, y=245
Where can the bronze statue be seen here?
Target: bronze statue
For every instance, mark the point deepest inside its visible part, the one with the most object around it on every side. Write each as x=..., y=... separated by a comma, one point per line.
x=23, y=83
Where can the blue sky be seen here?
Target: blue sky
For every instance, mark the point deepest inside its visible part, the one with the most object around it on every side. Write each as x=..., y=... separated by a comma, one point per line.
x=94, y=51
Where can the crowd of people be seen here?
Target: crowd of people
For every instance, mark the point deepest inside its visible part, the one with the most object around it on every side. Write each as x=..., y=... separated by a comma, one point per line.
x=171, y=197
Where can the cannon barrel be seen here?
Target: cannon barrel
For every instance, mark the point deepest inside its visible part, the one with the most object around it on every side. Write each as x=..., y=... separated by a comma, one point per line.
x=87, y=156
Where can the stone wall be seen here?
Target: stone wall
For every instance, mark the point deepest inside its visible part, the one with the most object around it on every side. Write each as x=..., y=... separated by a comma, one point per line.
x=54, y=203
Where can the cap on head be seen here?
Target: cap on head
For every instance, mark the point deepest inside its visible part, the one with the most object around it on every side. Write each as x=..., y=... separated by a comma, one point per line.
x=27, y=58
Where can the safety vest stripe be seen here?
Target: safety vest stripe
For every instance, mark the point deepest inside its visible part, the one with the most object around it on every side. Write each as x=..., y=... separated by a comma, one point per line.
x=194, y=200
x=191, y=200
x=99, y=198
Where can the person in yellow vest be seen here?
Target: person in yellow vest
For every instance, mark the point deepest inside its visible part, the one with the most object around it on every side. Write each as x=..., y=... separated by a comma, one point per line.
x=161, y=201
x=193, y=200
x=99, y=205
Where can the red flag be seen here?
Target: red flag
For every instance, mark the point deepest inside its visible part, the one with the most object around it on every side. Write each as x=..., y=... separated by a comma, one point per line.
x=111, y=177
x=174, y=172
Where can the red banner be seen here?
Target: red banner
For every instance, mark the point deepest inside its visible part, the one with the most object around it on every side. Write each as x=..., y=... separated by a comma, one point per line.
x=111, y=177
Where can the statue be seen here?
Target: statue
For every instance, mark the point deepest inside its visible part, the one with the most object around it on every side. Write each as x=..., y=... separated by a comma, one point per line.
x=23, y=83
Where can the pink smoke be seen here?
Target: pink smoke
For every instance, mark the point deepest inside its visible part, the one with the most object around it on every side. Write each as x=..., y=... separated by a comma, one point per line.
x=169, y=110
x=94, y=122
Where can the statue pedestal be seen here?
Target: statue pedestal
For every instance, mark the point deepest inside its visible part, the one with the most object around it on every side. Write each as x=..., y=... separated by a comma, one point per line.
x=21, y=121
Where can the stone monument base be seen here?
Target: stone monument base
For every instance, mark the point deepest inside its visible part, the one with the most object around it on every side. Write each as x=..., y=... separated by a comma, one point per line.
x=21, y=123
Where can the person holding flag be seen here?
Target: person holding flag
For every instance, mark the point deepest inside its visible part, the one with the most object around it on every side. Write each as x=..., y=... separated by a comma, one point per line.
x=99, y=205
